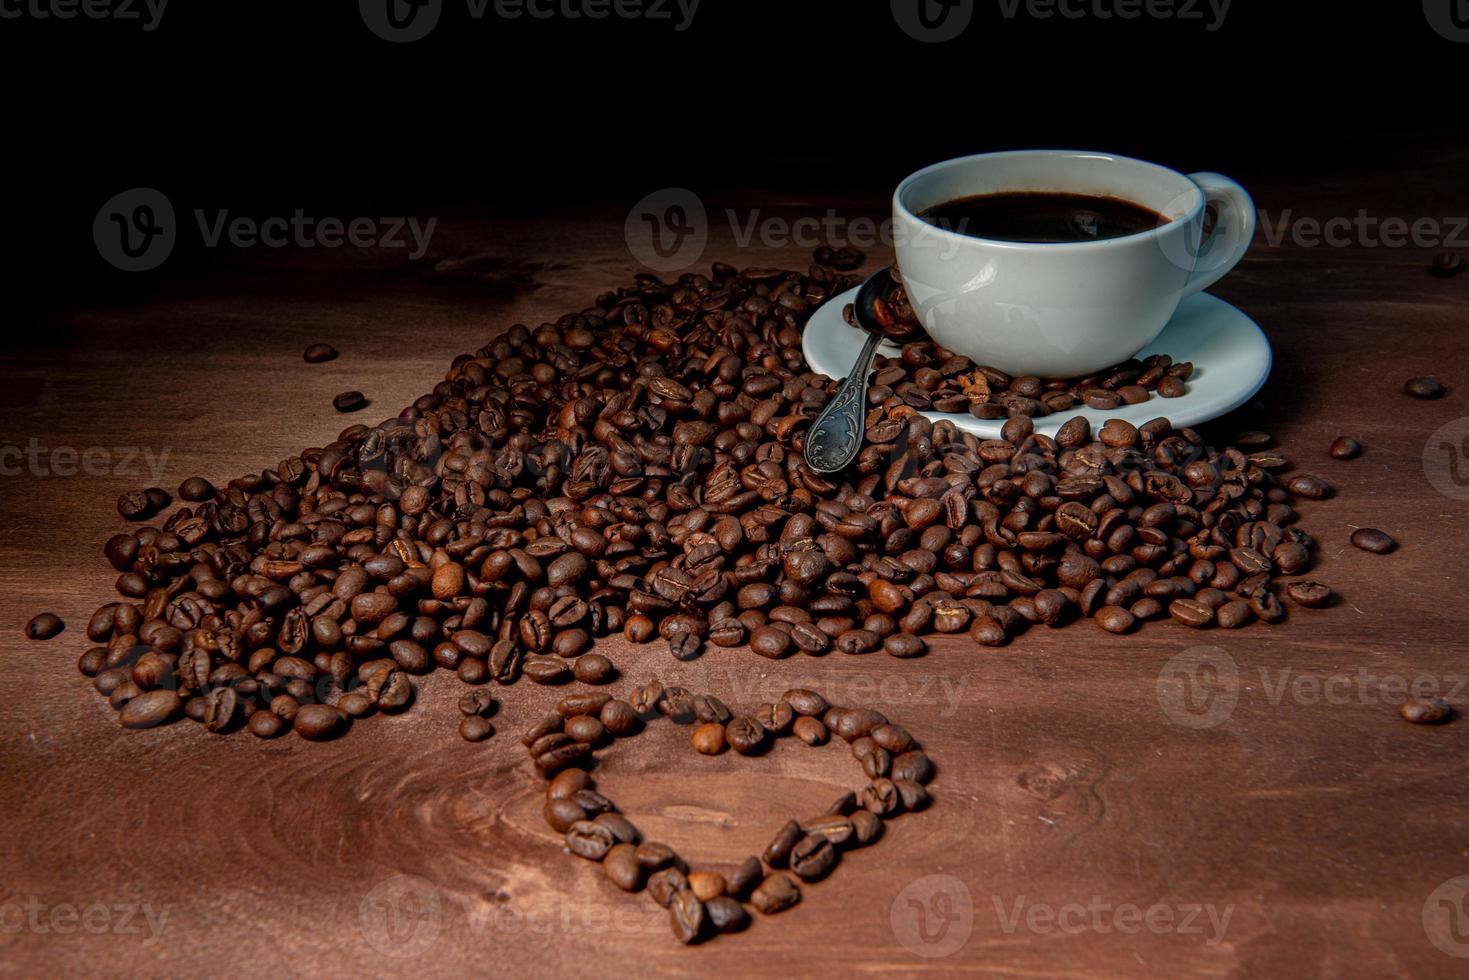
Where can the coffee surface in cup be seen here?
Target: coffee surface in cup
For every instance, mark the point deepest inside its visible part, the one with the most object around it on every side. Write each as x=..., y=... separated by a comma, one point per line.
x=1043, y=217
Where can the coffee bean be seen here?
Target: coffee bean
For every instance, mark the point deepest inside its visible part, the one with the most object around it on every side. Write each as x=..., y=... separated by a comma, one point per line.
x=812, y=857
x=318, y=722
x=594, y=668
x=1234, y=614
x=589, y=840
x=706, y=884
x=319, y=353
x=810, y=730
x=726, y=915
x=622, y=867
x=350, y=401
x=639, y=629
x=150, y=709
x=1115, y=619
x=1425, y=388
x=1446, y=264
x=196, y=489
x=1312, y=595
x=709, y=739
x=686, y=914
x=44, y=626
x=475, y=729
x=1345, y=447
x=866, y=828
x=770, y=642
x=778, y=852
x=665, y=884
x=1191, y=612
x=135, y=506
x=905, y=645
x=266, y=724
x=1373, y=540
x=775, y=894
x=745, y=735
x=1426, y=711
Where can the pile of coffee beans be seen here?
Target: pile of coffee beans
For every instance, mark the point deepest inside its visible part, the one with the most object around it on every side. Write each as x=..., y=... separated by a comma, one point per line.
x=637, y=466
x=928, y=377
x=704, y=903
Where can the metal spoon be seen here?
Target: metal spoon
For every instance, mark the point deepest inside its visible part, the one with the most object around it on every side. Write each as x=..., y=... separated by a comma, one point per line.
x=836, y=436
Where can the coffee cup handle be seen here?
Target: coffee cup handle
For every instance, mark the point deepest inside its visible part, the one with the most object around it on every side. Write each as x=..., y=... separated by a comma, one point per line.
x=1234, y=230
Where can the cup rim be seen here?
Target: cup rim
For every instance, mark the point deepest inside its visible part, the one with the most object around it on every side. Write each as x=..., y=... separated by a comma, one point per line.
x=901, y=209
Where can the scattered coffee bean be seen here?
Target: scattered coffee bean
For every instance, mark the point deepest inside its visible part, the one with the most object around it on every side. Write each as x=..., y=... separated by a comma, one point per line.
x=350, y=401
x=1345, y=447
x=1446, y=264
x=1373, y=540
x=44, y=626
x=1425, y=388
x=1312, y=595
x=475, y=729
x=775, y=894
x=1426, y=711
x=318, y=353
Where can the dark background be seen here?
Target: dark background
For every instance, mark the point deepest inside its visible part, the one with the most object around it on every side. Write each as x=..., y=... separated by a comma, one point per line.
x=264, y=107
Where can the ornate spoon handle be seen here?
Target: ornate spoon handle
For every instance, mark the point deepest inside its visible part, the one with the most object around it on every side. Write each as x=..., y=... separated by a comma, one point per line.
x=834, y=439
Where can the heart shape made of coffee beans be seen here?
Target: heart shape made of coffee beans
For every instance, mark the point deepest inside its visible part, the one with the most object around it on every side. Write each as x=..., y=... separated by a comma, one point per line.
x=705, y=903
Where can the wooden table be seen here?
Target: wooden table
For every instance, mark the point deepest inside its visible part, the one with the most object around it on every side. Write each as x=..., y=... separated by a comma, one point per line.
x=1086, y=820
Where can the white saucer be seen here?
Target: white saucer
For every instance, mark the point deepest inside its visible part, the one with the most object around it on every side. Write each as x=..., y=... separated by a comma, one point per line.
x=1231, y=360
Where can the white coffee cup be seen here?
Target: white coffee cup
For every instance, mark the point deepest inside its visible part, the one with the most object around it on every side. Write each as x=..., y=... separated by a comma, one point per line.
x=1067, y=309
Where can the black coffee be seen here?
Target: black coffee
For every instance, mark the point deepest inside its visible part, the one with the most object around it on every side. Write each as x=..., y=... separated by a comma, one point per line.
x=1043, y=217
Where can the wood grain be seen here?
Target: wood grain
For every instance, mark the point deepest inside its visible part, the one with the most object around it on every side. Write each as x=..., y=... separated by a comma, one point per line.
x=1319, y=824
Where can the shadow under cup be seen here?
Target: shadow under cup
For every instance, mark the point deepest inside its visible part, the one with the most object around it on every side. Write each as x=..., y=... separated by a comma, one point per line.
x=1056, y=310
